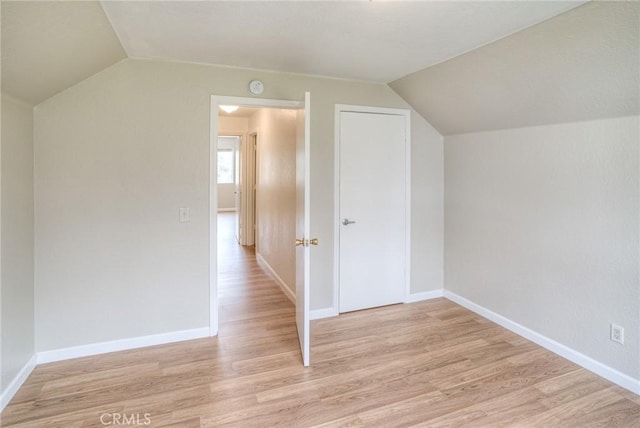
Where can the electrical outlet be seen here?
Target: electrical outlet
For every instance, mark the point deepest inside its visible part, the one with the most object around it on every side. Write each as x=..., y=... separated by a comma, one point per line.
x=617, y=334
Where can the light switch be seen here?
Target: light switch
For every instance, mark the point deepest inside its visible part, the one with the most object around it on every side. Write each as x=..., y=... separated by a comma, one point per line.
x=185, y=215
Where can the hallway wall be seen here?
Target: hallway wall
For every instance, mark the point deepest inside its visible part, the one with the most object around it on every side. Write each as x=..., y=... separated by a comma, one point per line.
x=276, y=190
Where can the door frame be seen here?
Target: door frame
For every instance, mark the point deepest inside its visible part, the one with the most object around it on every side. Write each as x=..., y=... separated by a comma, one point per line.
x=252, y=214
x=342, y=108
x=216, y=101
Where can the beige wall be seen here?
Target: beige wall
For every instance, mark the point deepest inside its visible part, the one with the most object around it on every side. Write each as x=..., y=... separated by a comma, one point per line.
x=542, y=228
x=427, y=211
x=17, y=238
x=276, y=190
x=232, y=125
x=119, y=153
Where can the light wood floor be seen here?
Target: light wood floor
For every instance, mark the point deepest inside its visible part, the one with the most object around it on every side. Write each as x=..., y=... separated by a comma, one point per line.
x=432, y=363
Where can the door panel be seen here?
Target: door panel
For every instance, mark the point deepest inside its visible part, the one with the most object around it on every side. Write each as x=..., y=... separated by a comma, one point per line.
x=303, y=204
x=372, y=195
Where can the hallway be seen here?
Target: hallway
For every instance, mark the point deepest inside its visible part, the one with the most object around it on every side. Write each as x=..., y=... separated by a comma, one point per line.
x=253, y=308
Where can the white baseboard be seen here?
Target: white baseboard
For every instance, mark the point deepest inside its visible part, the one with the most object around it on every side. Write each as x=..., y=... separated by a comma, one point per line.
x=572, y=355
x=226, y=210
x=17, y=382
x=412, y=298
x=317, y=314
x=120, y=345
x=424, y=295
x=285, y=289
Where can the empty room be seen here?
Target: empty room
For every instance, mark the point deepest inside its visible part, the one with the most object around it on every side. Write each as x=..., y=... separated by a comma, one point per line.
x=305, y=214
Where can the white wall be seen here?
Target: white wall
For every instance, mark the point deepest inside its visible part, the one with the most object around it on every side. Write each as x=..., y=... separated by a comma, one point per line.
x=542, y=227
x=119, y=153
x=276, y=190
x=17, y=238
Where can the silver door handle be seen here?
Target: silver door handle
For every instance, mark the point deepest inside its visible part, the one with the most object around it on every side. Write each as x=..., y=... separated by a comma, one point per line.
x=347, y=222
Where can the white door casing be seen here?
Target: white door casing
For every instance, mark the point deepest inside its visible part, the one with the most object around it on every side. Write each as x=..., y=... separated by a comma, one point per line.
x=372, y=190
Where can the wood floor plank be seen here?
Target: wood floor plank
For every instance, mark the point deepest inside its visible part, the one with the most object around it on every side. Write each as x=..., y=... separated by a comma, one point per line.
x=430, y=363
x=592, y=405
x=418, y=411
x=187, y=423
x=617, y=414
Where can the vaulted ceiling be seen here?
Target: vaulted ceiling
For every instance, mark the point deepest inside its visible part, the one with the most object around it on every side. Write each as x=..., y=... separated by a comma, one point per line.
x=378, y=41
x=581, y=65
x=49, y=46
x=462, y=65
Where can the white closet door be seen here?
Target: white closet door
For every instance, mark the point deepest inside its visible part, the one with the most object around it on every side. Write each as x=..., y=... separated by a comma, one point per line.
x=372, y=241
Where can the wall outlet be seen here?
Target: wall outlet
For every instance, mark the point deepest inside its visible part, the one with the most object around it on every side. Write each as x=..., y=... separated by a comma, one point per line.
x=617, y=334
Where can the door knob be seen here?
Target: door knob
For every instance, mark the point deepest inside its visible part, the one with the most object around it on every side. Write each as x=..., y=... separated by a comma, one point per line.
x=347, y=222
x=306, y=242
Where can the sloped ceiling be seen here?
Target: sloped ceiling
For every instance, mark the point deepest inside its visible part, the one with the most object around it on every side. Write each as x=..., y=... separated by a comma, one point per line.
x=376, y=41
x=48, y=46
x=581, y=65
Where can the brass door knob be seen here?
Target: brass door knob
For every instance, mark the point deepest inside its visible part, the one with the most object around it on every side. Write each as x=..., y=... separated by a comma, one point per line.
x=299, y=242
x=314, y=241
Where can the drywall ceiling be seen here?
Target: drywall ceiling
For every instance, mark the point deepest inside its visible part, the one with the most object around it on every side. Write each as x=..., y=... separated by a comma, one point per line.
x=581, y=65
x=377, y=41
x=50, y=46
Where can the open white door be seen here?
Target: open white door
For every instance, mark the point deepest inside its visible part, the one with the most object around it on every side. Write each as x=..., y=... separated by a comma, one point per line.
x=303, y=241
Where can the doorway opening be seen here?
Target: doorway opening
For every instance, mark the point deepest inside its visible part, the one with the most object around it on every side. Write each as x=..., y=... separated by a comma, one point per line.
x=254, y=213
